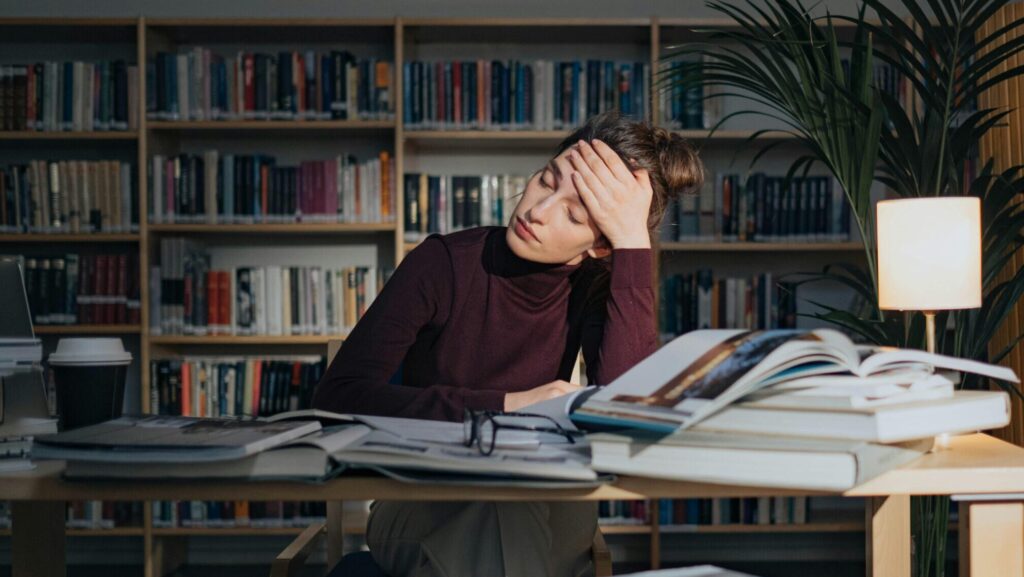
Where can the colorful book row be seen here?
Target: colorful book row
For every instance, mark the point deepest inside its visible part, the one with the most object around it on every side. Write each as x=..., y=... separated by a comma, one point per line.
x=69, y=96
x=68, y=196
x=87, y=289
x=199, y=84
x=188, y=296
x=761, y=209
x=513, y=94
x=446, y=203
x=233, y=386
x=227, y=514
x=700, y=300
x=217, y=188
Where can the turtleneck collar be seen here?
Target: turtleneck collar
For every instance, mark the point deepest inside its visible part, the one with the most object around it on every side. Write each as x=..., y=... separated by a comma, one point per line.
x=535, y=280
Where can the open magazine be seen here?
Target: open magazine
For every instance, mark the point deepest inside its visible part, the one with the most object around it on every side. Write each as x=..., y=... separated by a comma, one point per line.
x=701, y=372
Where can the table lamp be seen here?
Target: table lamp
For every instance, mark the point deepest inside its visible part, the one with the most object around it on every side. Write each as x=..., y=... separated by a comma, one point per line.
x=929, y=258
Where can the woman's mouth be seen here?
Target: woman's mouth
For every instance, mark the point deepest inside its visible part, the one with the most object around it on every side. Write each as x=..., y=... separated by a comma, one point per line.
x=523, y=231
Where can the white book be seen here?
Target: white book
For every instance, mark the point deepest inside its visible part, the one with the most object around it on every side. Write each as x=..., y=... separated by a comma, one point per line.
x=843, y=392
x=259, y=304
x=320, y=301
x=286, y=301
x=750, y=460
x=274, y=302
x=966, y=411
x=126, y=196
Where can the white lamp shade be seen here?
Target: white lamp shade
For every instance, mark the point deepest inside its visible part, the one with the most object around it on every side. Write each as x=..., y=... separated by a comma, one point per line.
x=929, y=253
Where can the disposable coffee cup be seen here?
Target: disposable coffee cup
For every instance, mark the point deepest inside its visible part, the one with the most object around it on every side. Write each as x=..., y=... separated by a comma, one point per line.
x=89, y=374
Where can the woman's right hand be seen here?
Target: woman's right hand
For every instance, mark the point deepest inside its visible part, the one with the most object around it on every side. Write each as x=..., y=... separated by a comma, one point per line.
x=516, y=401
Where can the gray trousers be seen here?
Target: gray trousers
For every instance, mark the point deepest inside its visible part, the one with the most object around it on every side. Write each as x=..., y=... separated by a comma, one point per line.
x=482, y=538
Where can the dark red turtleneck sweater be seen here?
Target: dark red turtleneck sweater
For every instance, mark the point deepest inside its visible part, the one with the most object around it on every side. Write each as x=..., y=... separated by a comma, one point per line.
x=469, y=321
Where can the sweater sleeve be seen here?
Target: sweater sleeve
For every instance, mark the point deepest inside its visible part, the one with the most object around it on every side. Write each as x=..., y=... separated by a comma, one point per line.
x=416, y=296
x=620, y=331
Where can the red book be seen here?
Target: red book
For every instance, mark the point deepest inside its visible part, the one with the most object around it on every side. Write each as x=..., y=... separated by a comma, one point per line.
x=224, y=285
x=99, y=289
x=85, y=285
x=457, y=91
x=299, y=79
x=121, y=308
x=250, y=86
x=212, y=302
x=110, y=300
x=135, y=311
x=30, y=98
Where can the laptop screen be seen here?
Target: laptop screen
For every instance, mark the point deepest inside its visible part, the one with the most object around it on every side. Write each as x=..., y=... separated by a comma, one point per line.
x=15, y=318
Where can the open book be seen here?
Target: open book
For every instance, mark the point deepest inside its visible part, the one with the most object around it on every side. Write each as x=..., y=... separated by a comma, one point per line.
x=702, y=372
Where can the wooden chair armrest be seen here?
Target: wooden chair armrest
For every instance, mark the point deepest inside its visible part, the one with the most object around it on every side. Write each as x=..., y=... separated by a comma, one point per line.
x=289, y=561
x=602, y=556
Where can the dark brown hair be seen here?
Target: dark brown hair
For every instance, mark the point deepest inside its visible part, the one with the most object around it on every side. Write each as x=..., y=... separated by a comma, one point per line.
x=671, y=162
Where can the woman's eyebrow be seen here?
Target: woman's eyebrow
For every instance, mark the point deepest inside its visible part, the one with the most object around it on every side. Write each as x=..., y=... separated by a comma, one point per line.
x=554, y=168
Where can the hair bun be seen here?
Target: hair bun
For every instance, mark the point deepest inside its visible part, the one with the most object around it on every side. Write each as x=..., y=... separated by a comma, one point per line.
x=680, y=165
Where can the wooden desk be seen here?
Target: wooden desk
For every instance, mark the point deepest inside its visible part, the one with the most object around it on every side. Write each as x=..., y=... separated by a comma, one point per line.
x=975, y=467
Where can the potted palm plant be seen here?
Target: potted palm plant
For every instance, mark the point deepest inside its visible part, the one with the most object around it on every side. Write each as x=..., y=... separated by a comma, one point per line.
x=815, y=76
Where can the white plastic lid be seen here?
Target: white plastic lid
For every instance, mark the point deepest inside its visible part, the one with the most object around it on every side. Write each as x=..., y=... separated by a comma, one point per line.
x=84, y=352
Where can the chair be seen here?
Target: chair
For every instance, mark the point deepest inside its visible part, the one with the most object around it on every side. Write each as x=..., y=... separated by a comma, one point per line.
x=360, y=564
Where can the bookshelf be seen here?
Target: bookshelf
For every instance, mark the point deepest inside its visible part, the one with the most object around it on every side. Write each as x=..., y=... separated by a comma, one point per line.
x=443, y=151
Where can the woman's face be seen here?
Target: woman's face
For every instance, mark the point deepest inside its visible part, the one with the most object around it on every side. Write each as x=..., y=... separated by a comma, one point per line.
x=550, y=223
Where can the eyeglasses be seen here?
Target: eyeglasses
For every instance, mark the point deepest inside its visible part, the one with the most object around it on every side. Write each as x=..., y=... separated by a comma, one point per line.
x=481, y=428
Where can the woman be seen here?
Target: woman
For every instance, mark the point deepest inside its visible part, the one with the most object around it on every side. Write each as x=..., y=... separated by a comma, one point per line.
x=494, y=317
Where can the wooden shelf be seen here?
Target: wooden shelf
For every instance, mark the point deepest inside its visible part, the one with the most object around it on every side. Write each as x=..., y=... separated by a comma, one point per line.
x=240, y=531
x=623, y=529
x=244, y=340
x=729, y=135
x=762, y=246
x=275, y=228
x=87, y=329
x=67, y=237
x=115, y=532
x=852, y=527
x=271, y=124
x=68, y=135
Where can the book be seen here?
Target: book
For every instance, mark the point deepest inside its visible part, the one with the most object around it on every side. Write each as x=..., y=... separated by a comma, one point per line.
x=135, y=439
x=749, y=459
x=966, y=411
x=701, y=372
x=348, y=441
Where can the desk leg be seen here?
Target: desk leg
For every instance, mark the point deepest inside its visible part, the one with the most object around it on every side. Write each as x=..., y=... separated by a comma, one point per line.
x=888, y=536
x=995, y=534
x=37, y=539
x=335, y=532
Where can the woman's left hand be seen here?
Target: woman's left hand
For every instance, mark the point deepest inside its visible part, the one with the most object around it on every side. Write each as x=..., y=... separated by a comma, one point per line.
x=617, y=198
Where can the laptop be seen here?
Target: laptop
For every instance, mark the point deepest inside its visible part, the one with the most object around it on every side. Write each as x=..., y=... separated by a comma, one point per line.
x=15, y=317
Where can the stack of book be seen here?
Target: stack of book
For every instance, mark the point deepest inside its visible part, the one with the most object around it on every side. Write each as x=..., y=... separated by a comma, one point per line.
x=70, y=95
x=103, y=514
x=198, y=84
x=446, y=203
x=188, y=296
x=68, y=196
x=227, y=188
x=753, y=407
x=517, y=95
